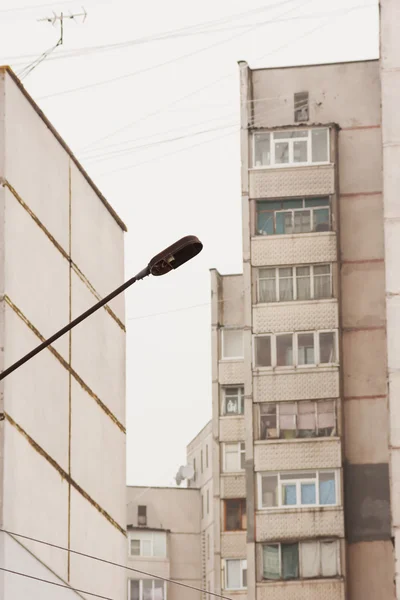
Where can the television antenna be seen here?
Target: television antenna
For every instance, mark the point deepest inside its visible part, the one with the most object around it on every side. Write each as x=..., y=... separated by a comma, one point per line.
x=55, y=19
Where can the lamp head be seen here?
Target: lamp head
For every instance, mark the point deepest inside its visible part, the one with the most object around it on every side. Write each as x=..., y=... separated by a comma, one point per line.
x=176, y=255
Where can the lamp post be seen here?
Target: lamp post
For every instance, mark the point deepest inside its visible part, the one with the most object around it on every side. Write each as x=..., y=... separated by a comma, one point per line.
x=169, y=259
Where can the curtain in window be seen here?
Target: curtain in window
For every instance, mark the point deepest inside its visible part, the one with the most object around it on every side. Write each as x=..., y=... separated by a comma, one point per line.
x=147, y=585
x=310, y=562
x=134, y=589
x=158, y=590
x=326, y=414
x=327, y=347
x=303, y=283
x=271, y=561
x=269, y=488
x=284, y=350
x=306, y=419
x=306, y=348
x=327, y=491
x=159, y=544
x=285, y=285
x=287, y=419
x=329, y=559
x=267, y=289
x=263, y=351
x=233, y=574
x=290, y=561
x=322, y=282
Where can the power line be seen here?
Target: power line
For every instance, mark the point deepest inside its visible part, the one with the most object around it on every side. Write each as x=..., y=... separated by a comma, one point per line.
x=52, y=582
x=223, y=77
x=107, y=136
x=113, y=564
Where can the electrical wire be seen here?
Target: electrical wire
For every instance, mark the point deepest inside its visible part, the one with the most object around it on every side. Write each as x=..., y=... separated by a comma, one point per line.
x=53, y=583
x=176, y=101
x=113, y=564
x=88, y=50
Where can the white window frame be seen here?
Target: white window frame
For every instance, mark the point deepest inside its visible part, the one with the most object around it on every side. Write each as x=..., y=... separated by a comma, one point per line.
x=290, y=141
x=241, y=449
x=223, y=344
x=294, y=280
x=243, y=567
x=298, y=483
x=293, y=211
x=150, y=539
x=141, y=587
x=296, y=364
x=240, y=397
x=297, y=402
x=318, y=542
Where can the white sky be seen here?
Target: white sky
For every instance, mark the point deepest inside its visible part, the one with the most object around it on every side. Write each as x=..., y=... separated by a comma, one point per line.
x=187, y=186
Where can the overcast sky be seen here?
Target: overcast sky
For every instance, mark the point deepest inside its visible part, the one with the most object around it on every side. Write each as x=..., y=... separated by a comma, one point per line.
x=130, y=102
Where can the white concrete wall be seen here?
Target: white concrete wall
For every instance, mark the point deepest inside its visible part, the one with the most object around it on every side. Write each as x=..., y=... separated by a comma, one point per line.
x=63, y=437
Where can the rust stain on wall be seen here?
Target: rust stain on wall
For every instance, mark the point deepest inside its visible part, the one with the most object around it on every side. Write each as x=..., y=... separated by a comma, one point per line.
x=63, y=473
x=75, y=267
x=66, y=365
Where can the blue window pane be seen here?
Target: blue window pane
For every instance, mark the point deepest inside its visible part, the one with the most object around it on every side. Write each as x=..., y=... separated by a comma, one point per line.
x=292, y=204
x=265, y=223
x=308, y=493
x=327, y=489
x=316, y=202
x=289, y=495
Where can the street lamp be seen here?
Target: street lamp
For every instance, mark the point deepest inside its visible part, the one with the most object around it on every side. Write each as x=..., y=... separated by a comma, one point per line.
x=169, y=259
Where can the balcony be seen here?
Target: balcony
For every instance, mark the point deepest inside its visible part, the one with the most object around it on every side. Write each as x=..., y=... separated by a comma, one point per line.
x=297, y=384
x=292, y=249
x=318, y=589
x=295, y=316
x=298, y=454
x=231, y=429
x=233, y=544
x=292, y=181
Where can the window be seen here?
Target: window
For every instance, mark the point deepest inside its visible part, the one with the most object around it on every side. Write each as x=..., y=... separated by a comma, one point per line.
x=147, y=589
x=233, y=401
x=194, y=469
x=308, y=488
x=291, y=147
x=201, y=461
x=235, y=574
x=142, y=516
x=206, y=456
x=235, y=515
x=279, y=284
x=208, y=546
x=208, y=501
x=319, y=558
x=297, y=215
x=309, y=348
x=232, y=343
x=301, y=111
x=202, y=506
x=302, y=419
x=147, y=543
x=234, y=457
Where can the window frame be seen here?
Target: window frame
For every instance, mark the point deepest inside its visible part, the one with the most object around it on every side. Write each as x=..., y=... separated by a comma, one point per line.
x=243, y=513
x=300, y=543
x=290, y=141
x=141, y=587
x=295, y=277
x=226, y=358
x=297, y=403
x=298, y=481
x=151, y=534
x=243, y=567
x=304, y=200
x=241, y=449
x=240, y=397
x=295, y=348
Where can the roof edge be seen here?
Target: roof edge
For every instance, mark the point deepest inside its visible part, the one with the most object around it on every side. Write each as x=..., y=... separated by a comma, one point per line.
x=41, y=114
x=326, y=64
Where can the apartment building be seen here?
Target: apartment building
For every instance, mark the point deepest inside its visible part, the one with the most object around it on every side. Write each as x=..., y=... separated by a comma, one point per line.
x=62, y=414
x=305, y=427
x=201, y=454
x=164, y=542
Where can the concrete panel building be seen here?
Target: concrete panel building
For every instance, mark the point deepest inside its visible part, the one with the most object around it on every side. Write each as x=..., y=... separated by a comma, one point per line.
x=164, y=542
x=62, y=429
x=305, y=428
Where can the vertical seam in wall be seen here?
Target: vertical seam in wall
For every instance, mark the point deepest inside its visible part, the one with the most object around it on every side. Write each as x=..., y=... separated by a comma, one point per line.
x=69, y=374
